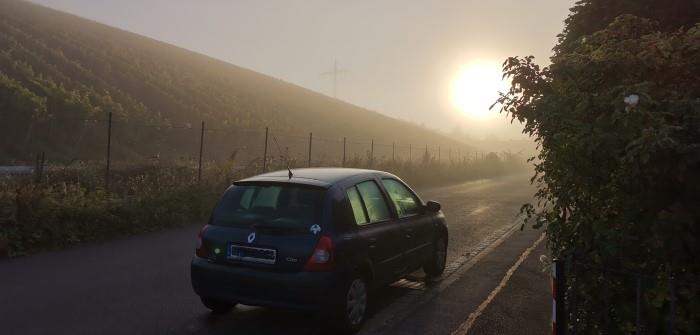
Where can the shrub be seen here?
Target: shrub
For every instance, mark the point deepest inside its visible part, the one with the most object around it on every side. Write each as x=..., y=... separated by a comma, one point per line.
x=617, y=117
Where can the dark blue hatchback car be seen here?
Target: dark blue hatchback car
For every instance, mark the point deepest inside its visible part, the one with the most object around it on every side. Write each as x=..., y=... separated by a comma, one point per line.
x=316, y=239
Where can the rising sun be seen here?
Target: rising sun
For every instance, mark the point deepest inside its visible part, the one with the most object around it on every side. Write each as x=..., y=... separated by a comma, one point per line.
x=475, y=88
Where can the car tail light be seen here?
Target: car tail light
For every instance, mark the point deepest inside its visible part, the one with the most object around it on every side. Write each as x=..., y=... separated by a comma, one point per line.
x=323, y=258
x=201, y=249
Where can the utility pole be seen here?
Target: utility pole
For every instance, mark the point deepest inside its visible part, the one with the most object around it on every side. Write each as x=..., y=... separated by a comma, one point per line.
x=335, y=74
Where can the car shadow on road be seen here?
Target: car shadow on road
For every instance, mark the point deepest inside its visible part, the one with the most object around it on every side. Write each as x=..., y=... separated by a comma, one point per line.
x=250, y=320
x=257, y=320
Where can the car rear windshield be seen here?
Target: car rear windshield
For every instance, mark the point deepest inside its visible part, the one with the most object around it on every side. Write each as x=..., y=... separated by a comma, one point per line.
x=270, y=206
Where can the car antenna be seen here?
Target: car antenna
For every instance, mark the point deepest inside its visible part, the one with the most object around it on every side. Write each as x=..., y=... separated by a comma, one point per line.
x=274, y=138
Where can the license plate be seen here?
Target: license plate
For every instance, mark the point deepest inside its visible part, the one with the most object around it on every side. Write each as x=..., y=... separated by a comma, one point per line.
x=252, y=254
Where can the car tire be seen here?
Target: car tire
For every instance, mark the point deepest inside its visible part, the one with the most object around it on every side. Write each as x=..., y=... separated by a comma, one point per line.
x=435, y=266
x=217, y=306
x=353, y=308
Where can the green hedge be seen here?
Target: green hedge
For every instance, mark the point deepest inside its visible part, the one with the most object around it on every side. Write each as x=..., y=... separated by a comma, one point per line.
x=617, y=116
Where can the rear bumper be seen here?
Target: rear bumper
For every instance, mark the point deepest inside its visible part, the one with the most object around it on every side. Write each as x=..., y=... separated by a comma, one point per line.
x=315, y=291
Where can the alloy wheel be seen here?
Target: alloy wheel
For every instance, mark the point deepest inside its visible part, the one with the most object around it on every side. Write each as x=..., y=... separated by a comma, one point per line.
x=356, y=302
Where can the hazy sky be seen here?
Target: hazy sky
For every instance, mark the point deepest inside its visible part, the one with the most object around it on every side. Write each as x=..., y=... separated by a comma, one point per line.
x=403, y=57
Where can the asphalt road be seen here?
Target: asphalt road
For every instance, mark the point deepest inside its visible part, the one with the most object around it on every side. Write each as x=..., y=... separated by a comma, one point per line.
x=140, y=285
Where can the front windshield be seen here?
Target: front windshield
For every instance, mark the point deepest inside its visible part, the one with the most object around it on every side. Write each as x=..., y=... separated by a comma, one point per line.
x=271, y=206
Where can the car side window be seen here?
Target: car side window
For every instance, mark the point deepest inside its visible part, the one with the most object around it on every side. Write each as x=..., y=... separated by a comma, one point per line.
x=377, y=208
x=368, y=203
x=406, y=202
x=358, y=209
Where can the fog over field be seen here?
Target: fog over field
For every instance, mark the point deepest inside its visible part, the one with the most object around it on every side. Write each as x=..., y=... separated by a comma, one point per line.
x=402, y=57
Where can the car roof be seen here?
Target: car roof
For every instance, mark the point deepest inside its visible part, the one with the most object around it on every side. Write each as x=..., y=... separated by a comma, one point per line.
x=323, y=177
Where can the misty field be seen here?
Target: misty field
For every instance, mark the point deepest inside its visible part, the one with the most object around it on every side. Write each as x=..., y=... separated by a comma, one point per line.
x=68, y=204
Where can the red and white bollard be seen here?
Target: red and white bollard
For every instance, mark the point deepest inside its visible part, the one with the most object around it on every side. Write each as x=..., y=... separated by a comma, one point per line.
x=558, y=306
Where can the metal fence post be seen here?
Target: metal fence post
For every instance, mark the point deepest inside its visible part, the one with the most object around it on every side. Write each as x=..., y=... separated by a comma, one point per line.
x=572, y=314
x=311, y=136
x=410, y=153
x=371, y=154
x=343, y=151
x=638, y=318
x=558, y=291
x=37, y=172
x=393, y=152
x=264, y=167
x=39, y=167
x=672, y=309
x=42, y=165
x=109, y=150
x=201, y=150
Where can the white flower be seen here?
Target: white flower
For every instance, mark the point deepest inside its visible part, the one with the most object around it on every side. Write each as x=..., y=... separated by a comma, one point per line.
x=632, y=100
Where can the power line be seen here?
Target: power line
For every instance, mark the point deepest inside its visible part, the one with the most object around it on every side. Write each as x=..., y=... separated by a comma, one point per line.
x=335, y=74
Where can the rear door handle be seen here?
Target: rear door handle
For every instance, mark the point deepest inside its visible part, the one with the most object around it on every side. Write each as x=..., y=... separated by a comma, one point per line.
x=372, y=240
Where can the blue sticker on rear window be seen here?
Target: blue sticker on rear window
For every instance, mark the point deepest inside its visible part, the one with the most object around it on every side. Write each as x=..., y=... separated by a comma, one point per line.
x=315, y=229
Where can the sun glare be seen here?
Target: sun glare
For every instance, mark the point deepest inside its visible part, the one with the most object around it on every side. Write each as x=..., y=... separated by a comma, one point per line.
x=475, y=88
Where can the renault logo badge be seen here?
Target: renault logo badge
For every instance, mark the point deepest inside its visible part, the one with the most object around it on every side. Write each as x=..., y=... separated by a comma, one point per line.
x=251, y=237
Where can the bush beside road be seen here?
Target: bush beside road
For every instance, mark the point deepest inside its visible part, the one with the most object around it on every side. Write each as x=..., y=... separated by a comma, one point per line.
x=71, y=207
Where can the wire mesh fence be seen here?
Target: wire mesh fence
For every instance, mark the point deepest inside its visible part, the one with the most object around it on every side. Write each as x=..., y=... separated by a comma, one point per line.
x=105, y=178
x=117, y=146
x=632, y=302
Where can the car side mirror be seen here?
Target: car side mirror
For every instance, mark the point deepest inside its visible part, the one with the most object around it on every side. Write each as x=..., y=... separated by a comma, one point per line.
x=433, y=206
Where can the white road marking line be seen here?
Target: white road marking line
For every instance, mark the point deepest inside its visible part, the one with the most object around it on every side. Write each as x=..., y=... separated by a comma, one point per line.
x=464, y=263
x=469, y=322
x=491, y=241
